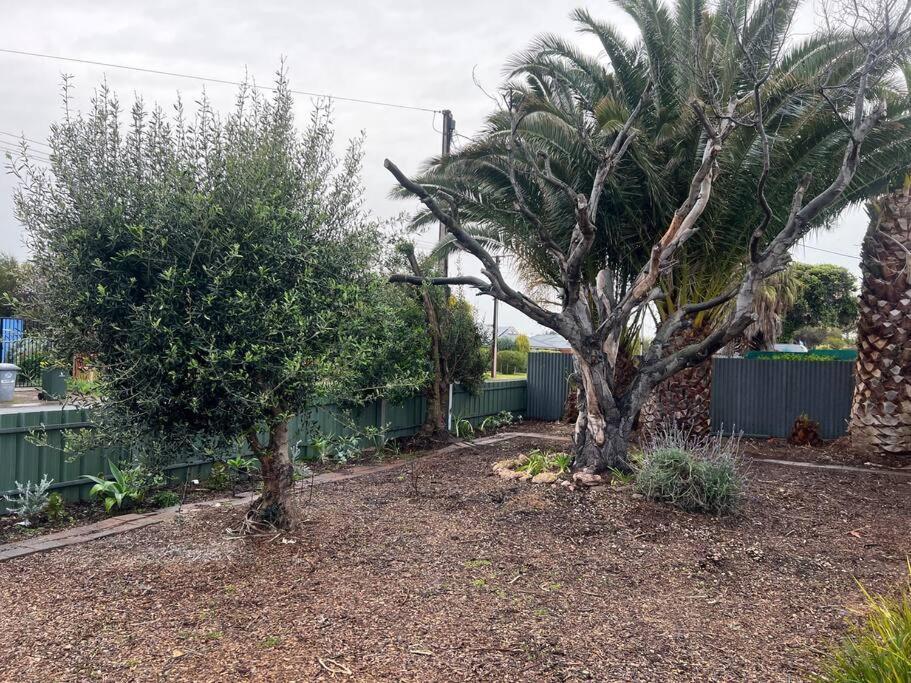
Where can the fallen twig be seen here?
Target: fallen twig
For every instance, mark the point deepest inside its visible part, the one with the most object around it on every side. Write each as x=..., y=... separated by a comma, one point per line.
x=333, y=666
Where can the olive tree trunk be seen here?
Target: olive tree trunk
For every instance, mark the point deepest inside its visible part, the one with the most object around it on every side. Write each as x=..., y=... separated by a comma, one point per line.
x=274, y=507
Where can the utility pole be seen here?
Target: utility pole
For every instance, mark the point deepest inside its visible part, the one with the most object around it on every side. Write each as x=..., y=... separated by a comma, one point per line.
x=448, y=130
x=493, y=345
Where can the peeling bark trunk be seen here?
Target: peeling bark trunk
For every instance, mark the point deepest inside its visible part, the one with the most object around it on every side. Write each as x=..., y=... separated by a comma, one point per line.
x=601, y=436
x=274, y=506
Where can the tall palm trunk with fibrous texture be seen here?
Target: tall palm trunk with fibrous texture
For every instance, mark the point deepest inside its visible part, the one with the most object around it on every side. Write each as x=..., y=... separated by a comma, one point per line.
x=881, y=412
x=685, y=399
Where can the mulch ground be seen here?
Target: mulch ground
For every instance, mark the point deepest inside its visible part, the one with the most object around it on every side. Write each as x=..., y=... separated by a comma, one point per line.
x=473, y=578
x=835, y=452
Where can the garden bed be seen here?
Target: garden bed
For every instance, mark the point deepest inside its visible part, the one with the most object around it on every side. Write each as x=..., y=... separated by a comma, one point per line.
x=82, y=513
x=473, y=578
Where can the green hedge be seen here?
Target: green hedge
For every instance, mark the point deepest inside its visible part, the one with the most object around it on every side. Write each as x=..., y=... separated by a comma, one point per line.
x=811, y=356
x=511, y=362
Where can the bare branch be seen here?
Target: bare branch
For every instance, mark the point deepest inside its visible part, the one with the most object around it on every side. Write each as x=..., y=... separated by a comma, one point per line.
x=478, y=283
x=498, y=286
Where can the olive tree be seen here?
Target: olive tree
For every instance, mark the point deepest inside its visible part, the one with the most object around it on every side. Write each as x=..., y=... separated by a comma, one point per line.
x=221, y=272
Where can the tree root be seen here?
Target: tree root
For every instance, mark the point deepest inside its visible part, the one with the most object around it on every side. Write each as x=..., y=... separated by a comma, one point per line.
x=267, y=515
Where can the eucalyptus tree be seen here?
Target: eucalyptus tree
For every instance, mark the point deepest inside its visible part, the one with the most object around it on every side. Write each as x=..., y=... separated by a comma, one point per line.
x=221, y=272
x=568, y=105
x=626, y=185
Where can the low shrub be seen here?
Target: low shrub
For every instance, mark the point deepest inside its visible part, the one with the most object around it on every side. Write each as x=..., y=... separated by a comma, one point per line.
x=55, y=510
x=696, y=475
x=29, y=500
x=538, y=461
x=166, y=499
x=128, y=487
x=220, y=478
x=878, y=649
x=501, y=419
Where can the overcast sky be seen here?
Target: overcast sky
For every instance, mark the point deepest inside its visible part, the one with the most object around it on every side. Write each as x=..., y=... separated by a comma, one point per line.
x=410, y=52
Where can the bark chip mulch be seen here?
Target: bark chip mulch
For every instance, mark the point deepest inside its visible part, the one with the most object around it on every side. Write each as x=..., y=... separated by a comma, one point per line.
x=471, y=578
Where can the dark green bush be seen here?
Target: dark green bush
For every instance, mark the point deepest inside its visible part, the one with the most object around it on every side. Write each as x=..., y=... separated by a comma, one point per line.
x=694, y=481
x=511, y=362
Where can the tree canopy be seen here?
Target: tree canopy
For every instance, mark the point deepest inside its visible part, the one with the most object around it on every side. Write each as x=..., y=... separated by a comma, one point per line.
x=827, y=298
x=221, y=271
x=566, y=105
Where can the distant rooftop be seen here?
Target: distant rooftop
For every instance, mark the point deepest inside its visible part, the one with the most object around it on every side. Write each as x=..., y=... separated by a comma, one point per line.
x=550, y=341
x=505, y=331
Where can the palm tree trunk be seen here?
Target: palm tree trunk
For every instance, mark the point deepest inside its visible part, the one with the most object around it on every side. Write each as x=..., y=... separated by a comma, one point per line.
x=881, y=412
x=685, y=399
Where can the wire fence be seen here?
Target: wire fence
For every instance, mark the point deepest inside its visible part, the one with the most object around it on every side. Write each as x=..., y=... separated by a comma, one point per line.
x=30, y=354
x=23, y=343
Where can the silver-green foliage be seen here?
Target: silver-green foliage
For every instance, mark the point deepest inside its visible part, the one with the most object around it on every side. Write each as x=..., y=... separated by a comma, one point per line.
x=696, y=475
x=29, y=500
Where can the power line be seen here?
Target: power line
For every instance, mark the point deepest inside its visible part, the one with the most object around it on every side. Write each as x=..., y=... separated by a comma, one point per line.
x=828, y=251
x=22, y=137
x=31, y=154
x=210, y=79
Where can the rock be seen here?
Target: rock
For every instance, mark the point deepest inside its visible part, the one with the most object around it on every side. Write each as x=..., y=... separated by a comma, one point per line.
x=545, y=478
x=588, y=479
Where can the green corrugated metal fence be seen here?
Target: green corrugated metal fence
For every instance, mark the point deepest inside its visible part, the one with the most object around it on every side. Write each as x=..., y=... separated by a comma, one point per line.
x=23, y=460
x=547, y=386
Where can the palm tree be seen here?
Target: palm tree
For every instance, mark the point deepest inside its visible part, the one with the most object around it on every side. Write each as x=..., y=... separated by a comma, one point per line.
x=881, y=412
x=568, y=96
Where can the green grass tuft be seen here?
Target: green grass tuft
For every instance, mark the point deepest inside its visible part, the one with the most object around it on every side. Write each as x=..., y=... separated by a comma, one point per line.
x=878, y=649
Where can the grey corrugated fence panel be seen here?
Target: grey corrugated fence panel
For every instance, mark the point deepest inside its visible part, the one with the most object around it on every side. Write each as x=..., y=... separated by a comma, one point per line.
x=23, y=460
x=764, y=397
x=497, y=396
x=547, y=373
